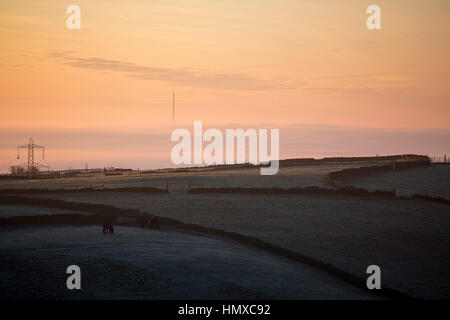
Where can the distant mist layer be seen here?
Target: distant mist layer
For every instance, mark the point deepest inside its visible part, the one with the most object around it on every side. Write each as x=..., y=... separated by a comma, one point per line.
x=150, y=148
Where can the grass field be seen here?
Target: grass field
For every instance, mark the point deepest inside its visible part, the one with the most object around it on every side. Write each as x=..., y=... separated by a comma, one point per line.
x=142, y=264
x=408, y=239
x=298, y=176
x=433, y=181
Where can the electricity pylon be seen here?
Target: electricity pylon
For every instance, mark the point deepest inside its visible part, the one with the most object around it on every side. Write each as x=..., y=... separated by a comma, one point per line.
x=31, y=164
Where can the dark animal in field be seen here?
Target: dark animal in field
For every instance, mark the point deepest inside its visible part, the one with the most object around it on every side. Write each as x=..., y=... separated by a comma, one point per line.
x=154, y=223
x=108, y=224
x=108, y=228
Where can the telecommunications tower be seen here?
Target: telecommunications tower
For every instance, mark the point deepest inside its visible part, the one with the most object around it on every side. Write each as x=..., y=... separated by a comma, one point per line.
x=173, y=105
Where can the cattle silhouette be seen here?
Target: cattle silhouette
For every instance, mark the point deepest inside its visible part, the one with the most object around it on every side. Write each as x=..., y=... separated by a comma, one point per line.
x=108, y=224
x=108, y=228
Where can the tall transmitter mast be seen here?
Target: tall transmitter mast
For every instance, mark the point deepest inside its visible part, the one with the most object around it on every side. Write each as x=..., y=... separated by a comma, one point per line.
x=173, y=105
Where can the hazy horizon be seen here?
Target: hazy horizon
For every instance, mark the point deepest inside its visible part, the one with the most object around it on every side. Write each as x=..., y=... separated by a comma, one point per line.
x=148, y=148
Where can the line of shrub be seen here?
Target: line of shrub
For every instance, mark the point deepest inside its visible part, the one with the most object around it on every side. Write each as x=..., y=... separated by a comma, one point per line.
x=70, y=218
x=330, y=160
x=430, y=198
x=338, y=177
x=349, y=190
x=89, y=189
x=61, y=204
x=346, y=190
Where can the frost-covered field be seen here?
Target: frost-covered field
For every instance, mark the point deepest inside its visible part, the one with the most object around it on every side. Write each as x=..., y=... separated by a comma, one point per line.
x=287, y=177
x=408, y=239
x=433, y=181
x=148, y=264
x=7, y=211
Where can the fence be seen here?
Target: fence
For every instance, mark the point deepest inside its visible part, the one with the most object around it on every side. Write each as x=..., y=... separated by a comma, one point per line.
x=440, y=159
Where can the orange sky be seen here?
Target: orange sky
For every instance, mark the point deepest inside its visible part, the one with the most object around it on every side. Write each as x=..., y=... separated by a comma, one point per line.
x=254, y=63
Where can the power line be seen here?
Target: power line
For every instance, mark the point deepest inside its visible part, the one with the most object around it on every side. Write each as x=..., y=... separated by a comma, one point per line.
x=7, y=165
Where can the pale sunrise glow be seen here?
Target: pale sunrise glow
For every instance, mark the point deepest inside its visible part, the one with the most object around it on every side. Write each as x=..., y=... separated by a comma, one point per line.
x=247, y=63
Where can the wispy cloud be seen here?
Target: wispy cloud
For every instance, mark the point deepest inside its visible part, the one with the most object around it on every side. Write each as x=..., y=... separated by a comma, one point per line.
x=180, y=76
x=345, y=76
